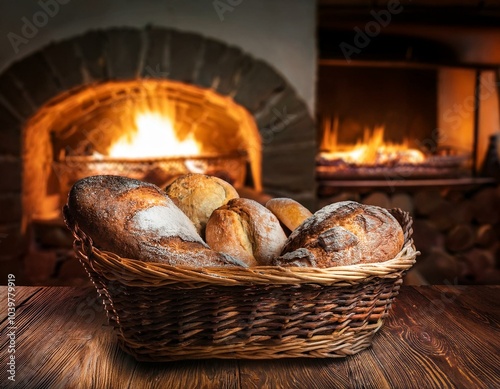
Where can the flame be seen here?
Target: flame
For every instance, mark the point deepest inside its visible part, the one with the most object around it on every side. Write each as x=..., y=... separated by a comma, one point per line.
x=154, y=137
x=371, y=150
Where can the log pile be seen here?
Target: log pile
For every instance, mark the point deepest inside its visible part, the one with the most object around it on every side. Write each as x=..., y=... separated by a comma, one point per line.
x=457, y=231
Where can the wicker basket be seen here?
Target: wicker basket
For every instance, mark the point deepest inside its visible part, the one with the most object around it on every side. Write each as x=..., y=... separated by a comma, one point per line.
x=165, y=313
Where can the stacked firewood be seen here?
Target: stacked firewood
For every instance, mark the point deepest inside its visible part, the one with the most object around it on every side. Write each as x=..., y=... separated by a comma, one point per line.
x=457, y=232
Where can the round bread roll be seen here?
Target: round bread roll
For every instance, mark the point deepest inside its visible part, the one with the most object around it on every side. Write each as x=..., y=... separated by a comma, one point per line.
x=245, y=230
x=198, y=195
x=288, y=211
x=137, y=220
x=343, y=233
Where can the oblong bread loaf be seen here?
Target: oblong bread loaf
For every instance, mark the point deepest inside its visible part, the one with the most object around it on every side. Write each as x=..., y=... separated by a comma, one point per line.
x=137, y=220
x=288, y=211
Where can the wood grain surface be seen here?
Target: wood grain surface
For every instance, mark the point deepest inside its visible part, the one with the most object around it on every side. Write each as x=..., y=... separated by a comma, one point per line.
x=435, y=337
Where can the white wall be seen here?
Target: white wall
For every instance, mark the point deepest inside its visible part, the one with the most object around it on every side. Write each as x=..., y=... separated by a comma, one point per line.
x=280, y=32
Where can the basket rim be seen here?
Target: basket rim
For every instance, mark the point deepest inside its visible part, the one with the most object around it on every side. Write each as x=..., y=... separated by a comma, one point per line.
x=139, y=273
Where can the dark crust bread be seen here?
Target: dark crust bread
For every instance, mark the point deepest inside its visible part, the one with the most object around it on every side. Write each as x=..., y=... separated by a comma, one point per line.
x=343, y=233
x=137, y=220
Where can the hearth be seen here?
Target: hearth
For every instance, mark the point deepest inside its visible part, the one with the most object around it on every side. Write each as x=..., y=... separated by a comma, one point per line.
x=375, y=158
x=407, y=111
x=153, y=130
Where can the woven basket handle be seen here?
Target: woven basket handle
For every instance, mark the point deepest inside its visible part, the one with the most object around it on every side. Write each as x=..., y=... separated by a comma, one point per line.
x=406, y=222
x=82, y=242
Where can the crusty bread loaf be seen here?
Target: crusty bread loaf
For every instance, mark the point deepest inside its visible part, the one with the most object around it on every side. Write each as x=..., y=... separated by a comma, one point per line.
x=198, y=195
x=343, y=233
x=137, y=220
x=247, y=230
x=288, y=211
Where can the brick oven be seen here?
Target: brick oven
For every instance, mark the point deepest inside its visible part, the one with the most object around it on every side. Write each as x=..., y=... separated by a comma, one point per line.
x=67, y=103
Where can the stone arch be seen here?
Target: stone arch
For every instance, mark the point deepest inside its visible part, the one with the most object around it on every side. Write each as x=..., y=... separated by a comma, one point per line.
x=284, y=122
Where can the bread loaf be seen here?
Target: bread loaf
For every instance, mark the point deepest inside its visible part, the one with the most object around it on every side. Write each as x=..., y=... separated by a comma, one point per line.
x=288, y=211
x=198, y=195
x=343, y=233
x=137, y=220
x=247, y=230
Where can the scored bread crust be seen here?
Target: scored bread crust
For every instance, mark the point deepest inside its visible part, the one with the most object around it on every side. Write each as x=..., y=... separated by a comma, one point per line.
x=343, y=233
x=227, y=232
x=245, y=229
x=137, y=220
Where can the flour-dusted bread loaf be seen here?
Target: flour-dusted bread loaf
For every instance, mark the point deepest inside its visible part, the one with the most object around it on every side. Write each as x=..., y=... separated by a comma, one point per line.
x=198, y=195
x=288, y=211
x=343, y=233
x=247, y=230
x=137, y=220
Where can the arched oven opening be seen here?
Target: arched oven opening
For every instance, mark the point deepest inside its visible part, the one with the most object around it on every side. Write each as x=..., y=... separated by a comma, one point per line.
x=152, y=130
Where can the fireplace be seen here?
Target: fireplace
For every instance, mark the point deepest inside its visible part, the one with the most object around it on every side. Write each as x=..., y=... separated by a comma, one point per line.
x=408, y=117
x=72, y=107
x=152, y=130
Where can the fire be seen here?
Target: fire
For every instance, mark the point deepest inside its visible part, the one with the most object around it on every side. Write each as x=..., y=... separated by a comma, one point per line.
x=154, y=136
x=371, y=150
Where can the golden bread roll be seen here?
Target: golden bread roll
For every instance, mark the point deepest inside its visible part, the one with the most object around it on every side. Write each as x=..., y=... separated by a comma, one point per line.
x=246, y=230
x=198, y=195
x=343, y=233
x=137, y=220
x=288, y=211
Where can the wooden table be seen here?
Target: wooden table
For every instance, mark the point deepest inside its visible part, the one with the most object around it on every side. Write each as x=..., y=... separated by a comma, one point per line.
x=436, y=337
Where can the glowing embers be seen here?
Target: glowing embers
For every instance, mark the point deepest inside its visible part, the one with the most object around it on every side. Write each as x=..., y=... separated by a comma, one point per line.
x=371, y=150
